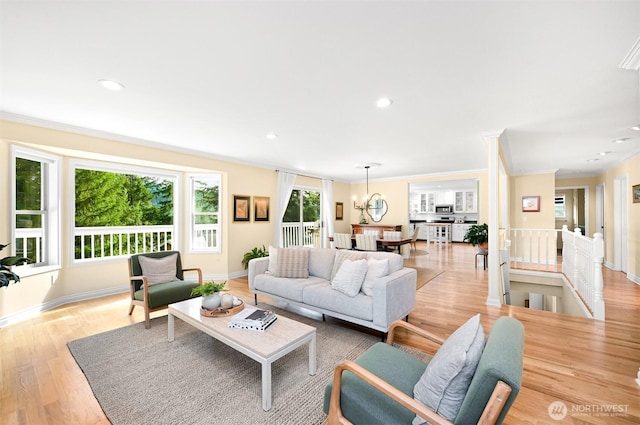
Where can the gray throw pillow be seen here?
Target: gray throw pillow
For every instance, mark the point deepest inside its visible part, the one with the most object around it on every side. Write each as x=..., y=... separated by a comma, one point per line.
x=444, y=383
x=292, y=262
x=159, y=270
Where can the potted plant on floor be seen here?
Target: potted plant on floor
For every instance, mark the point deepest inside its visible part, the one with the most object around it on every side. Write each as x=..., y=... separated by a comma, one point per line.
x=6, y=275
x=254, y=253
x=478, y=235
x=210, y=292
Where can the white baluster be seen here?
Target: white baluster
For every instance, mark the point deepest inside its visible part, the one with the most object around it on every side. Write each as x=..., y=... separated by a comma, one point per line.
x=598, y=282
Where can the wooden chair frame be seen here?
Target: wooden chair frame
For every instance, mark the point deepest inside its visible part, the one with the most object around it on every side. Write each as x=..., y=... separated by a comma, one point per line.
x=144, y=303
x=489, y=416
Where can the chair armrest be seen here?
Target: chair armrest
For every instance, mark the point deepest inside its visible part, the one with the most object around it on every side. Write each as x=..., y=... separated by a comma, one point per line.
x=145, y=285
x=413, y=329
x=335, y=416
x=195, y=269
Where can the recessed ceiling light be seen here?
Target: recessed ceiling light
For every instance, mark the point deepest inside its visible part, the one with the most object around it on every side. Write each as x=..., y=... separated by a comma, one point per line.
x=604, y=153
x=384, y=102
x=272, y=136
x=623, y=140
x=111, y=85
x=636, y=127
x=593, y=160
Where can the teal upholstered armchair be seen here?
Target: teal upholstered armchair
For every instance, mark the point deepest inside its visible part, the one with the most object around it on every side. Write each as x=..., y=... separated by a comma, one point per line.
x=157, y=279
x=384, y=384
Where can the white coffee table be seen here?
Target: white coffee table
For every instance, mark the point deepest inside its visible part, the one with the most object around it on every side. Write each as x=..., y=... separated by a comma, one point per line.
x=265, y=347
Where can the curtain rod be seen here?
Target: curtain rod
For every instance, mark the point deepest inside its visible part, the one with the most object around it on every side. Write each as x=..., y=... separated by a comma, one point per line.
x=304, y=175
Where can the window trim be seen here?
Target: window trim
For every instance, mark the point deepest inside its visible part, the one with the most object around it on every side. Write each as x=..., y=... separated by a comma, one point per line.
x=564, y=205
x=52, y=189
x=191, y=178
x=116, y=167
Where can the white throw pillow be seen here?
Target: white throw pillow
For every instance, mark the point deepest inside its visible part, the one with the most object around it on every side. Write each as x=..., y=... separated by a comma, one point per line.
x=375, y=270
x=349, y=277
x=444, y=383
x=273, y=259
x=159, y=270
x=345, y=254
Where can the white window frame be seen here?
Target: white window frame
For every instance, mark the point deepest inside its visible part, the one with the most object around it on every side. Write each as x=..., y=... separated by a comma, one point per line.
x=193, y=246
x=564, y=205
x=125, y=169
x=50, y=259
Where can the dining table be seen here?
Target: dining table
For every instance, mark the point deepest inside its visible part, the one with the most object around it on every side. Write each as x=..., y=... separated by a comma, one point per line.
x=385, y=243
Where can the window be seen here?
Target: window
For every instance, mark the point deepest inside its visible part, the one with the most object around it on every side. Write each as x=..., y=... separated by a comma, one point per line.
x=301, y=221
x=35, y=205
x=560, y=206
x=205, y=213
x=119, y=212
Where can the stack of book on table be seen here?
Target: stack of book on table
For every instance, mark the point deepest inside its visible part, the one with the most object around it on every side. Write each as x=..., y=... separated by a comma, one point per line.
x=253, y=318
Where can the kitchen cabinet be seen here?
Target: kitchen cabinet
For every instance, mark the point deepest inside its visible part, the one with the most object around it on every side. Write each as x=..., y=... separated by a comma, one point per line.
x=465, y=201
x=458, y=230
x=444, y=197
x=427, y=202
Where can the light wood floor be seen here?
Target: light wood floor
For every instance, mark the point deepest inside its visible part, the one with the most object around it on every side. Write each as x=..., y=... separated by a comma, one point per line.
x=589, y=365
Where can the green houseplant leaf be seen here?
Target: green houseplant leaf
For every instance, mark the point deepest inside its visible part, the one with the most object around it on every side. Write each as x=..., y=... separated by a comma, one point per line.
x=6, y=275
x=208, y=288
x=254, y=253
x=477, y=234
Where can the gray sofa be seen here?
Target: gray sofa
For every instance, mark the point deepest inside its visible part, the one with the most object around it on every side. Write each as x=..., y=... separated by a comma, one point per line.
x=392, y=297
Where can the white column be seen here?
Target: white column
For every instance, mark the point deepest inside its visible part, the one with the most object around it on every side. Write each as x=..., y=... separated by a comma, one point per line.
x=493, y=261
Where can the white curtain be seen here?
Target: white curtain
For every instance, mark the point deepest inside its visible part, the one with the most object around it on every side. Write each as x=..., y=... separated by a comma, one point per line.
x=326, y=200
x=285, y=186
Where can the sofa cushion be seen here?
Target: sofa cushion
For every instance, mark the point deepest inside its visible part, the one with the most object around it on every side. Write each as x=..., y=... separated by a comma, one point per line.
x=396, y=262
x=349, y=278
x=292, y=262
x=446, y=379
x=321, y=262
x=345, y=254
x=375, y=270
x=290, y=288
x=325, y=297
x=159, y=270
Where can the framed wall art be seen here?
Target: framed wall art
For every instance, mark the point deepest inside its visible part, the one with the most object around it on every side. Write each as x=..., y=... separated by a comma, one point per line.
x=339, y=211
x=636, y=194
x=260, y=208
x=241, y=208
x=530, y=204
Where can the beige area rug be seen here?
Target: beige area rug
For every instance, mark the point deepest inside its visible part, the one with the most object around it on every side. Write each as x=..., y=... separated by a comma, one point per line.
x=425, y=275
x=140, y=378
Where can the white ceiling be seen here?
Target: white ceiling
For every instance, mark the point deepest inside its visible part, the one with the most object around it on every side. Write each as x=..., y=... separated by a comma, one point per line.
x=217, y=76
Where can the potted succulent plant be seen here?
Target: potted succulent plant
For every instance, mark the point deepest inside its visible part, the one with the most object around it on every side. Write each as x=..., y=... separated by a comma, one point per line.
x=254, y=253
x=478, y=235
x=6, y=275
x=210, y=292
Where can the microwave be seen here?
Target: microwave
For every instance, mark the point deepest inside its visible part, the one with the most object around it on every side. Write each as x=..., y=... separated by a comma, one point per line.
x=444, y=209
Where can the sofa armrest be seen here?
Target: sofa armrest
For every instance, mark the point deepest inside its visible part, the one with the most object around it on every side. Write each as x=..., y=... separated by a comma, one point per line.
x=394, y=296
x=257, y=266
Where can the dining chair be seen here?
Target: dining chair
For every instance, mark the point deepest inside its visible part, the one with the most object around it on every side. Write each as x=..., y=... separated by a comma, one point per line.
x=342, y=241
x=414, y=238
x=366, y=242
x=392, y=235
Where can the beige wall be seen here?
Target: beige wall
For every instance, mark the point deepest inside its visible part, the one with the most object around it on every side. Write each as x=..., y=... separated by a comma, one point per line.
x=631, y=169
x=542, y=185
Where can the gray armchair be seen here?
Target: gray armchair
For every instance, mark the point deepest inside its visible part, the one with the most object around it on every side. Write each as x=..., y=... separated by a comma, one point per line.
x=378, y=387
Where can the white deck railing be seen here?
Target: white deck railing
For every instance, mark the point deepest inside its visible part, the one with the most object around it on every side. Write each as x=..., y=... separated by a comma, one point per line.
x=101, y=242
x=582, y=259
x=534, y=248
x=292, y=235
